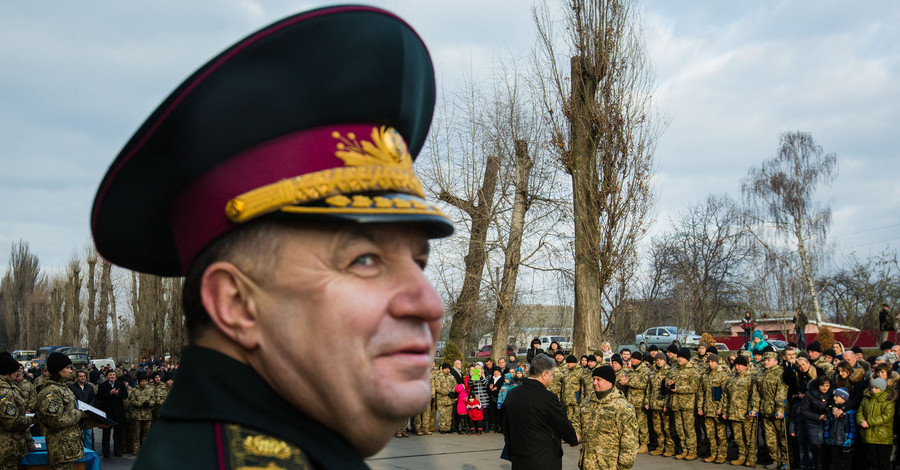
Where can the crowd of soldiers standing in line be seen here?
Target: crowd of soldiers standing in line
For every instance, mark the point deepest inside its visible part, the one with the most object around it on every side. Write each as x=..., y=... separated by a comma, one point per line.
x=42, y=402
x=812, y=408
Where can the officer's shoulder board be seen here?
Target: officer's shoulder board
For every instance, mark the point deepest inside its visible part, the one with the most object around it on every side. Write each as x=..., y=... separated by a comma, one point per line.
x=250, y=449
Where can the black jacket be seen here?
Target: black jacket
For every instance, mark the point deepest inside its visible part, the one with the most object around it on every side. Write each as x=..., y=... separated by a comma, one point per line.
x=86, y=395
x=113, y=405
x=534, y=424
x=533, y=352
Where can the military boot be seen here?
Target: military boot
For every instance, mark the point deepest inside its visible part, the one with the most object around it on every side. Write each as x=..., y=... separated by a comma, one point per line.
x=738, y=461
x=710, y=459
x=721, y=459
x=691, y=456
x=750, y=464
x=668, y=453
x=657, y=451
x=642, y=449
x=681, y=455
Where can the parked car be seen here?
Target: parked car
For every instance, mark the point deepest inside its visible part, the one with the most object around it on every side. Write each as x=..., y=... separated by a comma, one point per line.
x=563, y=342
x=485, y=351
x=776, y=344
x=439, y=352
x=663, y=336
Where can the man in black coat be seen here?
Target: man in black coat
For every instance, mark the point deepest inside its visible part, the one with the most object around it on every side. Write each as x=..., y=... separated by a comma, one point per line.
x=84, y=392
x=534, y=420
x=111, y=395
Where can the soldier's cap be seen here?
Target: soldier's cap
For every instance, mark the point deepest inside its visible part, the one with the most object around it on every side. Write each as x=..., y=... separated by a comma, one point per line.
x=672, y=349
x=662, y=356
x=57, y=361
x=814, y=347
x=8, y=364
x=746, y=353
x=570, y=359
x=829, y=352
x=703, y=344
x=617, y=358
x=712, y=358
x=652, y=348
x=856, y=350
x=741, y=360
x=141, y=376
x=606, y=373
x=445, y=365
x=592, y=358
x=559, y=353
x=770, y=355
x=317, y=117
x=685, y=353
x=637, y=356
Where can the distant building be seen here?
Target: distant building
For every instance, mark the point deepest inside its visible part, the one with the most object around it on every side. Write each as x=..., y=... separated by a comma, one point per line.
x=781, y=325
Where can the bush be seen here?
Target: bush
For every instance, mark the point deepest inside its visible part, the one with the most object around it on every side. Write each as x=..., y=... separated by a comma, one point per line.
x=825, y=337
x=709, y=339
x=451, y=352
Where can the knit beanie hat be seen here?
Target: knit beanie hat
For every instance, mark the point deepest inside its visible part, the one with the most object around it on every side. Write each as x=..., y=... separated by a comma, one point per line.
x=880, y=383
x=571, y=359
x=606, y=373
x=8, y=364
x=592, y=358
x=617, y=358
x=672, y=349
x=814, y=347
x=685, y=353
x=886, y=345
x=57, y=362
x=713, y=358
x=637, y=355
x=652, y=348
x=843, y=393
x=662, y=356
x=742, y=361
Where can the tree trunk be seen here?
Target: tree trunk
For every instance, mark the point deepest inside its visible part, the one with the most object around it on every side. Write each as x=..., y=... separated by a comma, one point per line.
x=513, y=256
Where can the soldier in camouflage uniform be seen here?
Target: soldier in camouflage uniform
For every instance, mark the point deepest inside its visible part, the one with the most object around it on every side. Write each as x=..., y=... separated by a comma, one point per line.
x=587, y=381
x=699, y=361
x=63, y=421
x=424, y=421
x=559, y=376
x=655, y=403
x=682, y=382
x=142, y=399
x=571, y=385
x=817, y=359
x=607, y=426
x=635, y=383
x=444, y=384
x=740, y=406
x=26, y=389
x=709, y=407
x=772, y=397
x=618, y=366
x=14, y=437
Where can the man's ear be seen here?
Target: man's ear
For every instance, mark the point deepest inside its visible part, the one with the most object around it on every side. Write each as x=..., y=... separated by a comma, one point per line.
x=228, y=295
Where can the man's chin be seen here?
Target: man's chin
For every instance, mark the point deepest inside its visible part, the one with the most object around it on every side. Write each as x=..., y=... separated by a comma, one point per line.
x=404, y=401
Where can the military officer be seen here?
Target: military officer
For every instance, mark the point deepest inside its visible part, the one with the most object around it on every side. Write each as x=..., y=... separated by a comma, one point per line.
x=635, y=383
x=424, y=421
x=14, y=437
x=683, y=382
x=709, y=407
x=772, y=398
x=444, y=386
x=655, y=403
x=571, y=386
x=606, y=425
x=56, y=410
x=141, y=399
x=741, y=404
x=278, y=179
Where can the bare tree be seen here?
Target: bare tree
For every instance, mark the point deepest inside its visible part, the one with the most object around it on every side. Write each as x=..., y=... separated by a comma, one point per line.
x=856, y=291
x=71, y=321
x=21, y=281
x=780, y=205
x=603, y=126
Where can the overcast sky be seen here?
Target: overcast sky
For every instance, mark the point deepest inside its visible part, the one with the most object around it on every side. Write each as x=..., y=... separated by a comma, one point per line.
x=77, y=78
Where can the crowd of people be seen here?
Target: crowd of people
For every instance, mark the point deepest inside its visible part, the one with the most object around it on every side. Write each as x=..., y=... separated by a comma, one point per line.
x=813, y=408
x=42, y=402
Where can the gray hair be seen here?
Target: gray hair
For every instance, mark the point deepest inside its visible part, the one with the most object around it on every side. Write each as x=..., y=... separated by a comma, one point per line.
x=540, y=364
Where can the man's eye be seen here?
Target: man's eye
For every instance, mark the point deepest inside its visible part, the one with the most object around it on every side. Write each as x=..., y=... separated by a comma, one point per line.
x=364, y=260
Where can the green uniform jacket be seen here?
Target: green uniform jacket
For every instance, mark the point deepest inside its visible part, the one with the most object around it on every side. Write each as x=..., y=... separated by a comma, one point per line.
x=687, y=379
x=740, y=398
x=141, y=401
x=878, y=412
x=14, y=437
x=712, y=384
x=654, y=397
x=609, y=432
x=772, y=391
x=220, y=414
x=571, y=384
x=63, y=421
x=587, y=381
x=26, y=389
x=637, y=385
x=443, y=385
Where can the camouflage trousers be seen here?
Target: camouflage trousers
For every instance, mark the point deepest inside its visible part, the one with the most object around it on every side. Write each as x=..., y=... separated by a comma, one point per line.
x=663, y=430
x=445, y=417
x=643, y=430
x=571, y=411
x=424, y=422
x=775, y=439
x=684, y=427
x=139, y=430
x=744, y=432
x=9, y=463
x=715, y=432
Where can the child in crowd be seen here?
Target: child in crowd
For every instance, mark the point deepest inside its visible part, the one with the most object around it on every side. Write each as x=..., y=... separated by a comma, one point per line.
x=476, y=414
x=504, y=389
x=462, y=413
x=876, y=418
x=478, y=385
x=495, y=384
x=840, y=431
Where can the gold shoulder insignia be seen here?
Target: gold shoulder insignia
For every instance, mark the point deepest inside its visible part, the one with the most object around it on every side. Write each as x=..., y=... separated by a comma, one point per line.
x=249, y=449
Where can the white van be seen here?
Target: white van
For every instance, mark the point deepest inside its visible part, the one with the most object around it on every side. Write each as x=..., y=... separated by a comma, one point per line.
x=99, y=364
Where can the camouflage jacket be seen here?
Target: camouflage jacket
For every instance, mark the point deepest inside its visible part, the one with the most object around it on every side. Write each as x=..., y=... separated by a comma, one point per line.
x=571, y=384
x=700, y=363
x=56, y=410
x=556, y=384
x=740, y=397
x=772, y=392
x=656, y=393
x=587, y=382
x=608, y=430
x=14, y=437
x=26, y=389
x=687, y=379
x=619, y=374
x=710, y=396
x=141, y=400
x=637, y=385
x=443, y=385
x=822, y=363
